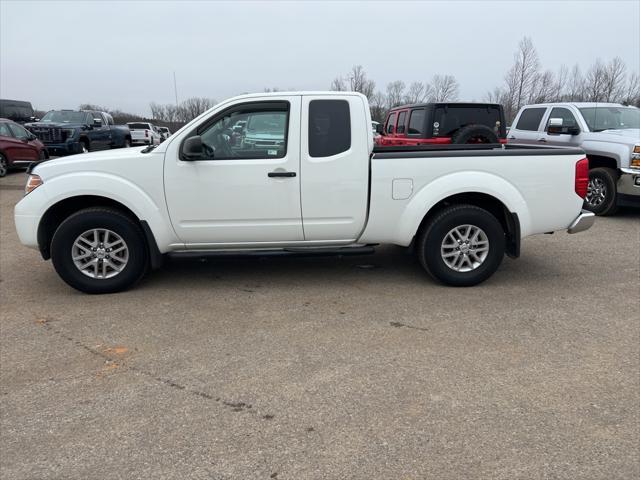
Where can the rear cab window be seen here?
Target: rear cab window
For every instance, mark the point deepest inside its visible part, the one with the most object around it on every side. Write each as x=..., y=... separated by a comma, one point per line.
x=416, y=122
x=329, y=127
x=450, y=118
x=401, y=127
x=530, y=119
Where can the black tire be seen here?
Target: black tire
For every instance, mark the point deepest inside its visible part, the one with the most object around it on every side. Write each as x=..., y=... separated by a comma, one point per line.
x=42, y=156
x=601, y=196
x=85, y=146
x=102, y=218
x=474, y=134
x=434, y=233
x=127, y=143
x=4, y=166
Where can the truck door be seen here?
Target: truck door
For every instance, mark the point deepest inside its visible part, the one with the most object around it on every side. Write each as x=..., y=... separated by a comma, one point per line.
x=245, y=189
x=334, y=167
x=527, y=127
x=564, y=117
x=101, y=134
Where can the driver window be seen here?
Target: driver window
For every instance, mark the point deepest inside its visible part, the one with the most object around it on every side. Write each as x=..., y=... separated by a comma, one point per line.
x=251, y=132
x=19, y=132
x=568, y=120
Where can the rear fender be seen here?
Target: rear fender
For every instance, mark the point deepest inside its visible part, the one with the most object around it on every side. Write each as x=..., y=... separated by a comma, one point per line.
x=456, y=183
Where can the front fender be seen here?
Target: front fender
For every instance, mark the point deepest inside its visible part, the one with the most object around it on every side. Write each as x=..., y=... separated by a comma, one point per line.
x=110, y=186
x=456, y=183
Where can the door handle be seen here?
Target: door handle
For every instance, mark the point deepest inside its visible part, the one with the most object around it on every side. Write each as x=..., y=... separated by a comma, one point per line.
x=281, y=174
x=512, y=137
x=542, y=140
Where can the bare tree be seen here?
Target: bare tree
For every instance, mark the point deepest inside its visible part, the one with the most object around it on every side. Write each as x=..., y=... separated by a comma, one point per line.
x=417, y=92
x=377, y=104
x=614, y=80
x=575, y=89
x=158, y=112
x=631, y=94
x=560, y=84
x=338, y=85
x=445, y=88
x=525, y=70
x=595, y=82
x=395, y=93
x=542, y=88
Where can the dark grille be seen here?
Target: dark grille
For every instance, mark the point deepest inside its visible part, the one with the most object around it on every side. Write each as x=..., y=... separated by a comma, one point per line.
x=48, y=134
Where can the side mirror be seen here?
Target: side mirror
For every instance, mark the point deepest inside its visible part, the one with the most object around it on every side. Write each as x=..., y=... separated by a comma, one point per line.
x=562, y=130
x=97, y=122
x=192, y=148
x=379, y=129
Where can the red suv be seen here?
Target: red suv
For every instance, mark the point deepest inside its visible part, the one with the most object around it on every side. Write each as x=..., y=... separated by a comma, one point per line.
x=443, y=123
x=18, y=147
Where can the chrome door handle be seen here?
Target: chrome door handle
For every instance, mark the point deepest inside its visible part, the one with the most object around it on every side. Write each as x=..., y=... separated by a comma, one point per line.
x=281, y=174
x=542, y=140
x=512, y=137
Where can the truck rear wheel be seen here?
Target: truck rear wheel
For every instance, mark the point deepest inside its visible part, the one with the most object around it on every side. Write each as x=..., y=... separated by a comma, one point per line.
x=99, y=250
x=602, y=192
x=462, y=245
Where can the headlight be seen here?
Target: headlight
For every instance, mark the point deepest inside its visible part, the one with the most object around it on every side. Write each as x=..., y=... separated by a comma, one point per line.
x=33, y=182
x=635, y=161
x=636, y=149
x=71, y=132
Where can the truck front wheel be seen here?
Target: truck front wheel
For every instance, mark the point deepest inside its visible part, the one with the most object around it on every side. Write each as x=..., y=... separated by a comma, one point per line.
x=602, y=191
x=462, y=245
x=99, y=250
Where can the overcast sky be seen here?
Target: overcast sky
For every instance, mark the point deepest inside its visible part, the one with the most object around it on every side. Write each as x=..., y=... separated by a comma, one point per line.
x=123, y=55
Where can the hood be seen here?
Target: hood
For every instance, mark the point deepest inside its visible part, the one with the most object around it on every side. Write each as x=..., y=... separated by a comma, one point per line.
x=627, y=136
x=54, y=125
x=94, y=161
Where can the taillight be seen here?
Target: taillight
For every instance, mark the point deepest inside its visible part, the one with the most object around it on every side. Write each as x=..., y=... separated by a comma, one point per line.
x=582, y=177
x=146, y=133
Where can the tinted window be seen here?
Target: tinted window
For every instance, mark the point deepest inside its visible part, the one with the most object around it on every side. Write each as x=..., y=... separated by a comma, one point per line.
x=262, y=132
x=416, y=122
x=391, y=123
x=139, y=126
x=65, y=116
x=446, y=120
x=16, y=110
x=401, y=125
x=19, y=132
x=568, y=120
x=329, y=127
x=530, y=119
x=4, y=130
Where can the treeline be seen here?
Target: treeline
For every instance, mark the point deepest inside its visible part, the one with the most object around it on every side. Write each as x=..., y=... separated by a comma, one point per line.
x=441, y=88
x=524, y=83
x=527, y=82
x=167, y=115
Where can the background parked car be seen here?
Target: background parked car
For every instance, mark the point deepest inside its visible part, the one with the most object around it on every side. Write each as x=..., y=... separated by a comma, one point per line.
x=608, y=132
x=65, y=132
x=144, y=133
x=17, y=110
x=443, y=123
x=18, y=147
x=164, y=133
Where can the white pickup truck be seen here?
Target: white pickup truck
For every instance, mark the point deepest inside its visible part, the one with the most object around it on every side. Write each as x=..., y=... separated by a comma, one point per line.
x=317, y=187
x=609, y=133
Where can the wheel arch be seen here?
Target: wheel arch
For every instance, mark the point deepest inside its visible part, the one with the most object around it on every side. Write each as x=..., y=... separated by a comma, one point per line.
x=509, y=220
x=62, y=209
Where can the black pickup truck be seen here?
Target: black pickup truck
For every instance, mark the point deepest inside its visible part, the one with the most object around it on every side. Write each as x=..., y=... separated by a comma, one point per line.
x=65, y=132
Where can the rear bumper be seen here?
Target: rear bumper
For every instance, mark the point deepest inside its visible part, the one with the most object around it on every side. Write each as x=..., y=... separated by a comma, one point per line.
x=583, y=222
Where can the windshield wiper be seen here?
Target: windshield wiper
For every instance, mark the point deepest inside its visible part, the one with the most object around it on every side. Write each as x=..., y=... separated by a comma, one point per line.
x=148, y=149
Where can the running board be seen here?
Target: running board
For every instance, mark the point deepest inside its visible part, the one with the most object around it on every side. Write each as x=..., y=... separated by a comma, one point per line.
x=282, y=252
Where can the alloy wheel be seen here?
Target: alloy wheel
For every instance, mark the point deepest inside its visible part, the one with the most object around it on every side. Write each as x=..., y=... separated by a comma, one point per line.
x=464, y=248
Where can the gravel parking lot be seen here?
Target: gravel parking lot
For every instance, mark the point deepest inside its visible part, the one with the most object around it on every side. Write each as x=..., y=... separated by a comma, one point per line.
x=358, y=367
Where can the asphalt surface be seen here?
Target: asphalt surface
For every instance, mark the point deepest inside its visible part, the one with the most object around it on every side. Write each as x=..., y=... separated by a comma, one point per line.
x=359, y=368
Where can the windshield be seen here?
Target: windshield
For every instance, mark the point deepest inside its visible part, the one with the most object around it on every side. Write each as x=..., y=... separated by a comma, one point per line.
x=65, y=117
x=611, y=118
